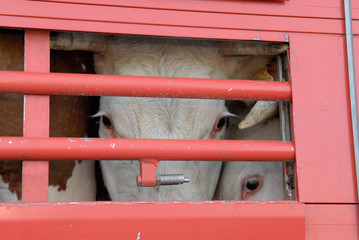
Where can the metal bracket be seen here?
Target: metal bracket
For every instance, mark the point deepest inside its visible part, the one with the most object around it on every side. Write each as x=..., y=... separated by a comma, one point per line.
x=148, y=177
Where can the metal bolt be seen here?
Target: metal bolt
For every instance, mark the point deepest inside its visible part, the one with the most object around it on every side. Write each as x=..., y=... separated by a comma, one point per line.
x=171, y=179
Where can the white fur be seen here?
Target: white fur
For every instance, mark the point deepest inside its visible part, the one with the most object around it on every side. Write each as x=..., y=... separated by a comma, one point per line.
x=164, y=118
x=5, y=194
x=81, y=186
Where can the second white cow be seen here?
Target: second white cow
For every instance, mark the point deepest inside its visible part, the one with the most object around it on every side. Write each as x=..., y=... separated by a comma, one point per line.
x=251, y=180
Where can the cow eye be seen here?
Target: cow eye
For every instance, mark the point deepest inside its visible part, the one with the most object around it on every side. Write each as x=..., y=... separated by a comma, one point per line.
x=221, y=123
x=250, y=184
x=106, y=121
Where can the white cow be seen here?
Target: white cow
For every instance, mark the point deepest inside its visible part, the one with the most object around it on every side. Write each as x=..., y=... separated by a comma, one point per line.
x=161, y=118
x=252, y=180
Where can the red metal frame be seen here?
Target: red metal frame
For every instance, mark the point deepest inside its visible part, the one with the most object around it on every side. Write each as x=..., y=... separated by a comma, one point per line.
x=134, y=220
x=36, y=116
x=324, y=156
x=149, y=21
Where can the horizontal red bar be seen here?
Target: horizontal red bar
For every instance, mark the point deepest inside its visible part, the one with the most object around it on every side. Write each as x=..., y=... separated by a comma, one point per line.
x=109, y=85
x=135, y=149
x=153, y=221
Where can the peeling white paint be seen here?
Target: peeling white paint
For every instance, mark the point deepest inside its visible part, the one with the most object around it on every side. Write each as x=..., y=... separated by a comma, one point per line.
x=286, y=37
x=87, y=140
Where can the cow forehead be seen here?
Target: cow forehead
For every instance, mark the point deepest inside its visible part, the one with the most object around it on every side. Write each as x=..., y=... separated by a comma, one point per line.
x=161, y=57
x=135, y=117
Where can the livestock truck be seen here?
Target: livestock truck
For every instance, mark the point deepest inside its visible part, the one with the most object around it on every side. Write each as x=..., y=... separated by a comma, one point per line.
x=318, y=112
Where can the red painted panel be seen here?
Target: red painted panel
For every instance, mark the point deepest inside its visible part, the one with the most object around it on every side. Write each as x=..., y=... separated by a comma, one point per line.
x=302, y=8
x=331, y=222
x=322, y=123
x=95, y=84
x=36, y=116
x=36, y=12
x=134, y=149
x=153, y=221
x=127, y=28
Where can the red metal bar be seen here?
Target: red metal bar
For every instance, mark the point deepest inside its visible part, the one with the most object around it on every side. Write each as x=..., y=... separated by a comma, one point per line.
x=109, y=85
x=150, y=221
x=134, y=149
x=147, y=177
x=36, y=116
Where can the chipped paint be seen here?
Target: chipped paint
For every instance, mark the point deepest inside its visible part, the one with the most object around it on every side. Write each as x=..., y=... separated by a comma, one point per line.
x=138, y=236
x=286, y=37
x=87, y=139
x=230, y=89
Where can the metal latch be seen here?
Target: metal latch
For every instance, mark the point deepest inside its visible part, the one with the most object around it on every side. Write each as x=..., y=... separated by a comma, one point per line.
x=149, y=178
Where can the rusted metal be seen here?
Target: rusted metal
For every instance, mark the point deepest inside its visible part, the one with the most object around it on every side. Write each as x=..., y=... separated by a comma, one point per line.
x=109, y=85
x=284, y=117
x=135, y=149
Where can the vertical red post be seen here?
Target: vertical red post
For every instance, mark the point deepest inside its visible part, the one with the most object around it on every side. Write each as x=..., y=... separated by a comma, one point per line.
x=36, y=116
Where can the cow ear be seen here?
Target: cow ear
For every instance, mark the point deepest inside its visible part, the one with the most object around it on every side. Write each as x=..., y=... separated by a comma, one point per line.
x=245, y=67
x=243, y=59
x=253, y=48
x=78, y=41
